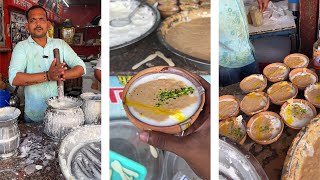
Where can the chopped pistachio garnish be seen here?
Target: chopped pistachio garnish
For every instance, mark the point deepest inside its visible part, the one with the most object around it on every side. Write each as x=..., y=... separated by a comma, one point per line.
x=265, y=128
x=172, y=94
x=236, y=132
x=298, y=109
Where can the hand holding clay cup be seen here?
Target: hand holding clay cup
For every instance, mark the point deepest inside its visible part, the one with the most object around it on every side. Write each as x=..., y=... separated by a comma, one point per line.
x=276, y=72
x=253, y=83
x=265, y=127
x=297, y=113
x=282, y=91
x=196, y=139
x=228, y=106
x=303, y=77
x=165, y=99
x=254, y=103
x=296, y=60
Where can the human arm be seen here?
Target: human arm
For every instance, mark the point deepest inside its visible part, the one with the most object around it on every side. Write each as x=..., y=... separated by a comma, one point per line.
x=97, y=74
x=263, y=4
x=26, y=79
x=74, y=72
x=18, y=66
x=97, y=71
x=194, y=147
x=53, y=74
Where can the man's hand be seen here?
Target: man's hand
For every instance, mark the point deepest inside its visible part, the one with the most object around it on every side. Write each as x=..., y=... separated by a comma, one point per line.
x=194, y=147
x=263, y=4
x=56, y=72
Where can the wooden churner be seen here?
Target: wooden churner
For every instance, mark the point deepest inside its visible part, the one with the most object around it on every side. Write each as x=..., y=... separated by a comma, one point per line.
x=60, y=84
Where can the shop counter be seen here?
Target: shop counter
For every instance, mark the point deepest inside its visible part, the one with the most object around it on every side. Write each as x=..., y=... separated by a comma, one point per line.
x=37, y=157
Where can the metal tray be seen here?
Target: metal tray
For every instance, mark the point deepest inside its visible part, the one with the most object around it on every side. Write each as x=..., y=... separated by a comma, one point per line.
x=74, y=141
x=176, y=19
x=237, y=163
x=155, y=25
x=298, y=150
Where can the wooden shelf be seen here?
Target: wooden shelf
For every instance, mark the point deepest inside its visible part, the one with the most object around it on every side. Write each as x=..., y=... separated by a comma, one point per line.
x=5, y=49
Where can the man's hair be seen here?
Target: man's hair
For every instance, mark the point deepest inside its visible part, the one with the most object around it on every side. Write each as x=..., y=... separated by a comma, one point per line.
x=35, y=7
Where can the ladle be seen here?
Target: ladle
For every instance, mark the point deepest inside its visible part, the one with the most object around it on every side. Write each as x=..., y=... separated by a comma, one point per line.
x=120, y=22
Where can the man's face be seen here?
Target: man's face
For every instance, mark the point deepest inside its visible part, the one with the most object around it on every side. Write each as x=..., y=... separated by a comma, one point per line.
x=38, y=24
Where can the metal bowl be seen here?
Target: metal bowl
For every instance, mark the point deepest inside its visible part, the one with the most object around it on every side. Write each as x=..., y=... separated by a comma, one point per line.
x=237, y=163
x=176, y=167
x=124, y=140
x=155, y=25
x=180, y=18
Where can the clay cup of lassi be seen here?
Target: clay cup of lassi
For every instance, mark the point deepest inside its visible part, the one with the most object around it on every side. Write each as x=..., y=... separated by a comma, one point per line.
x=165, y=99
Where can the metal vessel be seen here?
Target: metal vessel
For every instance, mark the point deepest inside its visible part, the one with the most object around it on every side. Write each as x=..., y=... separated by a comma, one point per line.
x=9, y=131
x=59, y=121
x=91, y=108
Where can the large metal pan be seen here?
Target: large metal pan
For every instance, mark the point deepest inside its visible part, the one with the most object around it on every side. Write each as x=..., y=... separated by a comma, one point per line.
x=176, y=19
x=155, y=25
x=301, y=148
x=237, y=163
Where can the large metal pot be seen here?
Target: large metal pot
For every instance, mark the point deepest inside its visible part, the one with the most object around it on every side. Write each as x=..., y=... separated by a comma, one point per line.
x=61, y=117
x=91, y=107
x=9, y=131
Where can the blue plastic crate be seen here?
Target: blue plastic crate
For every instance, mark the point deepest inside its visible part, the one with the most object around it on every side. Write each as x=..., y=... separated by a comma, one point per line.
x=128, y=164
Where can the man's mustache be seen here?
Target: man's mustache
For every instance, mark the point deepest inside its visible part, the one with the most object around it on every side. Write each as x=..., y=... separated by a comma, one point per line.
x=38, y=28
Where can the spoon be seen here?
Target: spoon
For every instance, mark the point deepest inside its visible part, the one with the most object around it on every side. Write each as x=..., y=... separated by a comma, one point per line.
x=118, y=168
x=125, y=21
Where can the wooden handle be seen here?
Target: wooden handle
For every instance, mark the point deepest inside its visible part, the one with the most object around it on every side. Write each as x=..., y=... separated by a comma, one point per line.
x=56, y=54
